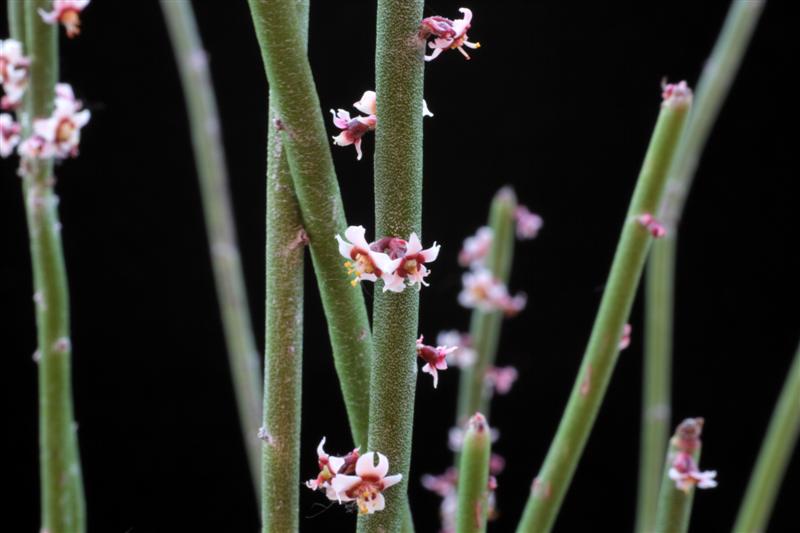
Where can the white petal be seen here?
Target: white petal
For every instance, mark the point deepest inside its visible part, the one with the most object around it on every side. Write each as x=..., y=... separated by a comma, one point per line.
x=388, y=481
x=414, y=245
x=355, y=234
x=341, y=483
x=345, y=249
x=366, y=467
x=335, y=463
x=378, y=503
x=320, y=451
x=384, y=263
x=425, y=111
x=431, y=253
x=393, y=282
x=367, y=104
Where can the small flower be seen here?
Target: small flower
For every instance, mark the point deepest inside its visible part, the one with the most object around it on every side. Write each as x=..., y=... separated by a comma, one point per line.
x=501, y=378
x=352, y=129
x=463, y=356
x=13, y=73
x=367, y=486
x=528, y=223
x=485, y=292
x=685, y=473
x=67, y=12
x=329, y=466
x=412, y=267
x=434, y=357
x=675, y=94
x=9, y=134
x=452, y=37
x=61, y=132
x=443, y=484
x=625, y=340
x=652, y=225
x=363, y=262
x=476, y=248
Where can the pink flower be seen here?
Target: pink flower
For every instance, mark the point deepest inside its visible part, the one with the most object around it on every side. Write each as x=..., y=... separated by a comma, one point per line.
x=434, y=357
x=9, y=134
x=367, y=486
x=363, y=262
x=329, y=466
x=652, y=225
x=412, y=267
x=60, y=134
x=625, y=340
x=463, y=356
x=452, y=37
x=67, y=12
x=501, y=378
x=443, y=484
x=485, y=292
x=685, y=473
x=352, y=129
x=676, y=94
x=476, y=247
x=528, y=224
x=13, y=73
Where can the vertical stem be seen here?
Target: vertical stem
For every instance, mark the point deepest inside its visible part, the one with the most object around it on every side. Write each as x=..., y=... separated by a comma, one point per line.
x=774, y=457
x=473, y=477
x=307, y=148
x=473, y=395
x=675, y=505
x=398, y=212
x=551, y=484
x=217, y=206
x=63, y=508
x=712, y=89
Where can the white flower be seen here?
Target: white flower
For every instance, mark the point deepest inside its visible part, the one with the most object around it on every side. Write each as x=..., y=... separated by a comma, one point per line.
x=685, y=473
x=528, y=223
x=367, y=486
x=9, y=134
x=485, y=292
x=476, y=247
x=13, y=72
x=62, y=130
x=67, y=12
x=455, y=38
x=501, y=378
x=329, y=466
x=363, y=262
x=412, y=267
x=434, y=357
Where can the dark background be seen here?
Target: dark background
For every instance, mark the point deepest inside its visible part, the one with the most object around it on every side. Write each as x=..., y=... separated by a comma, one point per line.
x=560, y=103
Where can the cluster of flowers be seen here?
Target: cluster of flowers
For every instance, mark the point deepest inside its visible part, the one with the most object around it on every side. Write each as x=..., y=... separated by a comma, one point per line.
x=684, y=470
x=399, y=263
x=354, y=478
x=448, y=34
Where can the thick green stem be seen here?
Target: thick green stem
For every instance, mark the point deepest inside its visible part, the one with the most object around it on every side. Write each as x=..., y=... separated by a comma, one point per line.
x=550, y=486
x=63, y=507
x=398, y=212
x=712, y=89
x=210, y=161
x=307, y=148
x=473, y=477
x=675, y=504
x=774, y=457
x=473, y=394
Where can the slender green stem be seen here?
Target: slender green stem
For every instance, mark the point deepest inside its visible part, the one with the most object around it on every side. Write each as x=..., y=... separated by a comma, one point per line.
x=774, y=457
x=551, y=484
x=210, y=160
x=398, y=212
x=675, y=504
x=307, y=149
x=712, y=88
x=63, y=507
x=473, y=395
x=473, y=477
x=657, y=378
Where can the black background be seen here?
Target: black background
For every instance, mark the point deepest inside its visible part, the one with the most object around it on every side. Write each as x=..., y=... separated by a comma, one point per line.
x=560, y=103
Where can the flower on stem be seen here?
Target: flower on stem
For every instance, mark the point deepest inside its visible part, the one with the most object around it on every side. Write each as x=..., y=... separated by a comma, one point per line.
x=367, y=486
x=363, y=262
x=67, y=12
x=463, y=356
x=675, y=94
x=9, y=134
x=329, y=466
x=684, y=470
x=528, y=223
x=412, y=267
x=485, y=292
x=652, y=225
x=476, y=248
x=59, y=135
x=13, y=73
x=449, y=34
x=501, y=378
x=625, y=340
x=434, y=357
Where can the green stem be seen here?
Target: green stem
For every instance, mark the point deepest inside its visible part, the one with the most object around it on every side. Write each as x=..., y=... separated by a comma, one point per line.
x=657, y=378
x=473, y=477
x=675, y=505
x=774, y=457
x=712, y=89
x=63, y=507
x=474, y=395
x=307, y=147
x=551, y=484
x=399, y=69
x=210, y=161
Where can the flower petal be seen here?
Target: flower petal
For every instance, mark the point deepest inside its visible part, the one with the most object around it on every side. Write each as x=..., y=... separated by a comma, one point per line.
x=356, y=235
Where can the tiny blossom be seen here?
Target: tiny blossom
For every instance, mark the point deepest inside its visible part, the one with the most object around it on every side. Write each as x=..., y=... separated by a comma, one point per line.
x=411, y=269
x=13, y=73
x=464, y=356
x=476, y=247
x=625, y=340
x=452, y=37
x=485, y=292
x=9, y=134
x=367, y=486
x=434, y=357
x=60, y=134
x=363, y=262
x=329, y=466
x=501, y=378
x=528, y=223
x=67, y=12
x=652, y=225
x=685, y=473
x=676, y=94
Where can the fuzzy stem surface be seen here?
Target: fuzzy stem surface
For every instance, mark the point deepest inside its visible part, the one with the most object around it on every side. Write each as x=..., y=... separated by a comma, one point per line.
x=473, y=477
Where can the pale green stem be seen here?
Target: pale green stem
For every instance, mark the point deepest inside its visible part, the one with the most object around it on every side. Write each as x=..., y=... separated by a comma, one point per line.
x=473, y=477
x=675, y=505
x=774, y=457
x=220, y=226
x=473, y=394
x=550, y=486
x=307, y=148
x=399, y=69
x=712, y=89
x=63, y=506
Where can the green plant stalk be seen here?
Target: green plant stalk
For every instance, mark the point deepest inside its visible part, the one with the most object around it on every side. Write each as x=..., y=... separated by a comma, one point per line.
x=712, y=89
x=473, y=477
x=63, y=507
x=399, y=71
x=307, y=149
x=774, y=457
x=485, y=327
x=217, y=206
x=550, y=486
x=657, y=371
x=675, y=505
